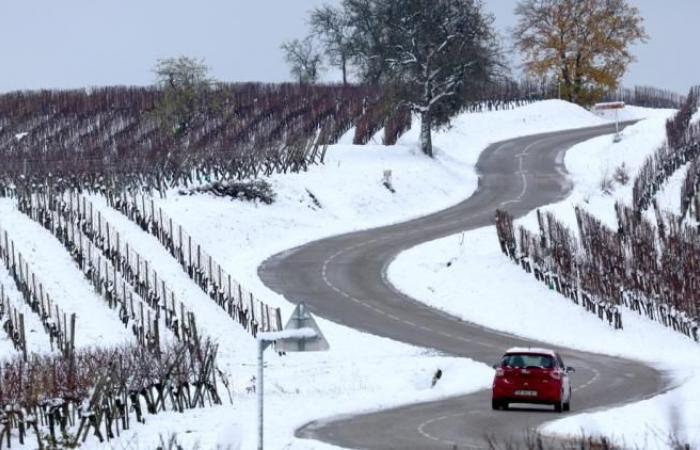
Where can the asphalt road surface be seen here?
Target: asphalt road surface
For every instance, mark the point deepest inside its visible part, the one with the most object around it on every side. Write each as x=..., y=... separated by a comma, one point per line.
x=343, y=279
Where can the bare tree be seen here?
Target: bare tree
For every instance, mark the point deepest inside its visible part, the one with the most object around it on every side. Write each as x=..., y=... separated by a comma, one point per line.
x=304, y=59
x=432, y=49
x=332, y=26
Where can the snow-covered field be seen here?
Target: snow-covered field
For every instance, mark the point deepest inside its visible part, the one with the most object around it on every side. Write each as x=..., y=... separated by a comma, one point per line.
x=467, y=288
x=360, y=372
x=96, y=324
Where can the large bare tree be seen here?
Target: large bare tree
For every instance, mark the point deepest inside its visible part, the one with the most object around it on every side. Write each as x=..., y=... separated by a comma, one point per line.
x=425, y=52
x=584, y=44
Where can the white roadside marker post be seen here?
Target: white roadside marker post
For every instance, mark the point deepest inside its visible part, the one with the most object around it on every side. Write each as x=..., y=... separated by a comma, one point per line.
x=617, y=137
x=262, y=345
x=301, y=334
x=616, y=106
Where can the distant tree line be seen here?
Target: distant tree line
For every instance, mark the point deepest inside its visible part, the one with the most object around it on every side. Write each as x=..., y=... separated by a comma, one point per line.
x=115, y=137
x=118, y=138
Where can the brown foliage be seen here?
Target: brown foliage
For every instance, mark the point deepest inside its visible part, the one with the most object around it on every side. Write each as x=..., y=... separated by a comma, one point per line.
x=583, y=43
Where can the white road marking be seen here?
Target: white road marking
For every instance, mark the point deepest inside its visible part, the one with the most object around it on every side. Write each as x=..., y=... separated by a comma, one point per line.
x=596, y=376
x=461, y=445
x=421, y=429
x=384, y=277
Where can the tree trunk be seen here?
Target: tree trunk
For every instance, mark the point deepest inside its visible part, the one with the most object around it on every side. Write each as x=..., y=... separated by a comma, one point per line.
x=565, y=78
x=426, y=141
x=344, y=67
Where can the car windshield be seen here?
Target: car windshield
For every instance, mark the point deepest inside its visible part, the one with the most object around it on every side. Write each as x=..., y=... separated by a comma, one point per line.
x=522, y=360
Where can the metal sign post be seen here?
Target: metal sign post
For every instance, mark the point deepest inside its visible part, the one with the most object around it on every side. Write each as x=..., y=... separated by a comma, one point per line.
x=301, y=334
x=617, y=106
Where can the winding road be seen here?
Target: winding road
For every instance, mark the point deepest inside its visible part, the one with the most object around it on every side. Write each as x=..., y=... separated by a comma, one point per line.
x=343, y=279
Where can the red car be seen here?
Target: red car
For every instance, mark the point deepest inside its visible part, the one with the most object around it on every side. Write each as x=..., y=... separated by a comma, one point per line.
x=532, y=375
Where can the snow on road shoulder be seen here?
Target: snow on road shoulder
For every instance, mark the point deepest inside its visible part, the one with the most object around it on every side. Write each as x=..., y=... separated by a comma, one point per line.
x=469, y=134
x=63, y=281
x=360, y=373
x=482, y=286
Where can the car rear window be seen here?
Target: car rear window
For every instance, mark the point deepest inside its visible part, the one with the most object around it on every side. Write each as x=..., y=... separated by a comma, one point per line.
x=522, y=360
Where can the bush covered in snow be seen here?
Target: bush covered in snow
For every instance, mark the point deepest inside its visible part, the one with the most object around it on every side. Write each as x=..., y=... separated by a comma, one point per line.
x=257, y=190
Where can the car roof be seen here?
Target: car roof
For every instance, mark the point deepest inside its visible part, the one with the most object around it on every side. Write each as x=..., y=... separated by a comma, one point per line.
x=536, y=350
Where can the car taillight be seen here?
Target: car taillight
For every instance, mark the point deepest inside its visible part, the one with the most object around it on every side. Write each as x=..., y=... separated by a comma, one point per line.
x=500, y=372
x=555, y=374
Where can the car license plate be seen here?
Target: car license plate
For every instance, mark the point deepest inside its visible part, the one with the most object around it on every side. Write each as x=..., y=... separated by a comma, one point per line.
x=526, y=393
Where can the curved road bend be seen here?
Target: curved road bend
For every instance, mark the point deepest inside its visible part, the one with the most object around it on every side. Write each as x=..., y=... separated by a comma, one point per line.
x=343, y=279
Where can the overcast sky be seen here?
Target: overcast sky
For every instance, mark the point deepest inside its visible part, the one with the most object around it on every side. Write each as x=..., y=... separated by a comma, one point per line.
x=78, y=43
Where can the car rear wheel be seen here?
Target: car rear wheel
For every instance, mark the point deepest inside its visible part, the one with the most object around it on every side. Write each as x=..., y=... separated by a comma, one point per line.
x=497, y=404
x=560, y=406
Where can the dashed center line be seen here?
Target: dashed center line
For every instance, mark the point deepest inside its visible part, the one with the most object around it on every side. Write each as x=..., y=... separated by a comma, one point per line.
x=422, y=428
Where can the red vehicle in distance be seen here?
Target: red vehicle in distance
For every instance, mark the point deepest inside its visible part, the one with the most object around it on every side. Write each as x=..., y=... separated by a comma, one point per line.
x=534, y=376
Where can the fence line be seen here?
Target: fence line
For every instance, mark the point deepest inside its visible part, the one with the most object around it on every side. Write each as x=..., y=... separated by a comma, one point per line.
x=99, y=392
x=682, y=146
x=55, y=321
x=128, y=275
x=240, y=304
x=144, y=318
x=13, y=323
x=610, y=269
x=527, y=251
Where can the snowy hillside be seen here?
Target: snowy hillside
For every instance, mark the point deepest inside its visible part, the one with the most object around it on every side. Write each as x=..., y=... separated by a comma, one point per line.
x=348, y=195
x=360, y=372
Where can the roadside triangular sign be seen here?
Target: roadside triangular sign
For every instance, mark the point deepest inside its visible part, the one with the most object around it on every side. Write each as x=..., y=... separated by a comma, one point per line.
x=302, y=318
